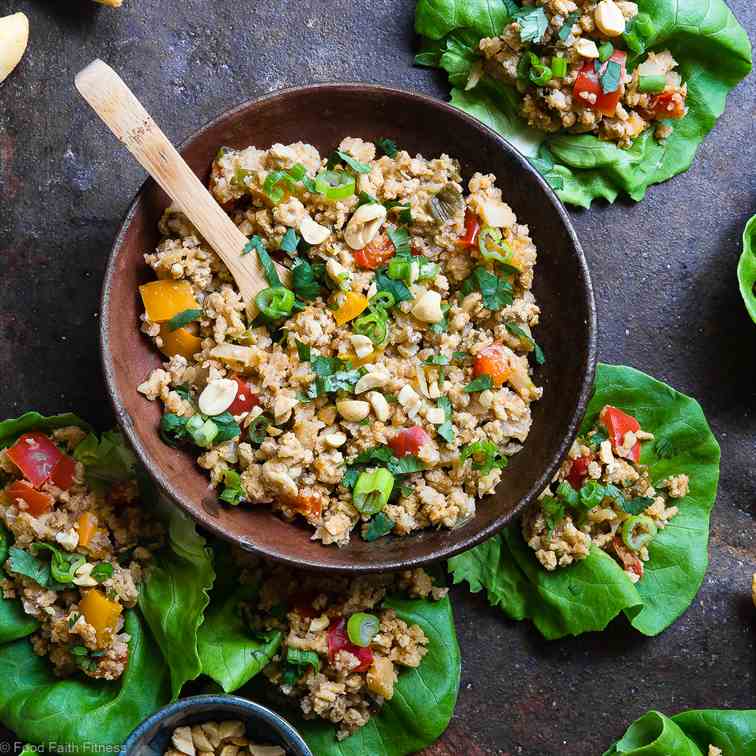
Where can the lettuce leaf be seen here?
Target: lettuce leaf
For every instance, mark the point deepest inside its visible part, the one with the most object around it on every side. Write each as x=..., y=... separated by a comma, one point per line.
x=587, y=595
x=747, y=268
x=174, y=597
x=11, y=429
x=711, y=47
x=230, y=655
x=41, y=708
x=107, y=459
x=424, y=698
x=689, y=734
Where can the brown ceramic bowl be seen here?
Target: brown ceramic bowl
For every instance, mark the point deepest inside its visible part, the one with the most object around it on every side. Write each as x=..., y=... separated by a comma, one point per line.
x=322, y=115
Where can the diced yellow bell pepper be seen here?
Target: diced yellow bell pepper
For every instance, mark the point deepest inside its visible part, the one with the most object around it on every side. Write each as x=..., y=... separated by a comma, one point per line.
x=181, y=341
x=164, y=299
x=352, y=306
x=87, y=527
x=357, y=362
x=102, y=613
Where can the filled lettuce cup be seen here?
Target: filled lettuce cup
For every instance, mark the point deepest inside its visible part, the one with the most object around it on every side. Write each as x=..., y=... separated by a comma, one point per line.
x=603, y=96
x=102, y=589
x=624, y=526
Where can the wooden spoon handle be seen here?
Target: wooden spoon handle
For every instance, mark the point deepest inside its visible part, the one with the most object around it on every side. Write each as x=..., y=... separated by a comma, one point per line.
x=125, y=116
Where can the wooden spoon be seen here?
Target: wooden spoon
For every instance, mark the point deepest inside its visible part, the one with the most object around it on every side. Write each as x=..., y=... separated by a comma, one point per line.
x=126, y=117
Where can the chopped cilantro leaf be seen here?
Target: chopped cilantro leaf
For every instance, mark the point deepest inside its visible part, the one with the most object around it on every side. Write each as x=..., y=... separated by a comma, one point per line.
x=481, y=383
x=378, y=526
x=290, y=242
x=345, y=157
x=610, y=78
x=533, y=24
x=387, y=146
x=569, y=22
x=183, y=318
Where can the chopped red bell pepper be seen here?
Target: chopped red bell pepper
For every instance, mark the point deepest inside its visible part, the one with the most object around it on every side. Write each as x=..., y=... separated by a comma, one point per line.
x=472, y=229
x=37, y=502
x=338, y=640
x=408, y=441
x=589, y=82
x=36, y=456
x=668, y=105
x=376, y=253
x=618, y=424
x=245, y=399
x=63, y=473
x=579, y=471
x=492, y=361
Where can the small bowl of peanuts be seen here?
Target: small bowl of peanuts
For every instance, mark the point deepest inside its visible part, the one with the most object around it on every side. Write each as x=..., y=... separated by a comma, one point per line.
x=215, y=725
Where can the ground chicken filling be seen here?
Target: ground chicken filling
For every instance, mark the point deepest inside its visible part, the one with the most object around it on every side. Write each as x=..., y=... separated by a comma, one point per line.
x=569, y=61
x=343, y=649
x=383, y=386
x=73, y=556
x=602, y=495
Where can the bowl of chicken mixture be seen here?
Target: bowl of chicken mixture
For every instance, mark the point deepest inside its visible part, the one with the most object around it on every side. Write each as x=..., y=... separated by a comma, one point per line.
x=380, y=383
x=581, y=66
x=73, y=550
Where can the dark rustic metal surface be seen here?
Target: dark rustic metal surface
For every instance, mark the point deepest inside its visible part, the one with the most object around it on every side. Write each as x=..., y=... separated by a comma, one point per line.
x=664, y=272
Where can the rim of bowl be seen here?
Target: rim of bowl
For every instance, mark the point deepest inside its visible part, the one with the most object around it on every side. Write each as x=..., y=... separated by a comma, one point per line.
x=245, y=707
x=443, y=552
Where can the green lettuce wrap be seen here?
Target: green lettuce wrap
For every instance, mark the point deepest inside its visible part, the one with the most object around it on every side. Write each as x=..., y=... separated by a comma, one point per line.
x=747, y=268
x=424, y=697
x=588, y=594
x=689, y=734
x=83, y=712
x=711, y=47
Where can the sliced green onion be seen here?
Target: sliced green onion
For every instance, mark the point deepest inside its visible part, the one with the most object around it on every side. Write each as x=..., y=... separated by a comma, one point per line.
x=523, y=65
x=271, y=187
x=63, y=566
x=335, y=185
x=372, y=491
x=202, y=431
x=606, y=51
x=297, y=172
x=427, y=269
x=492, y=247
x=654, y=83
x=362, y=628
x=559, y=67
x=540, y=74
x=257, y=429
x=638, y=531
x=592, y=494
x=302, y=659
x=400, y=269
x=374, y=325
x=384, y=300
x=567, y=493
x=275, y=303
